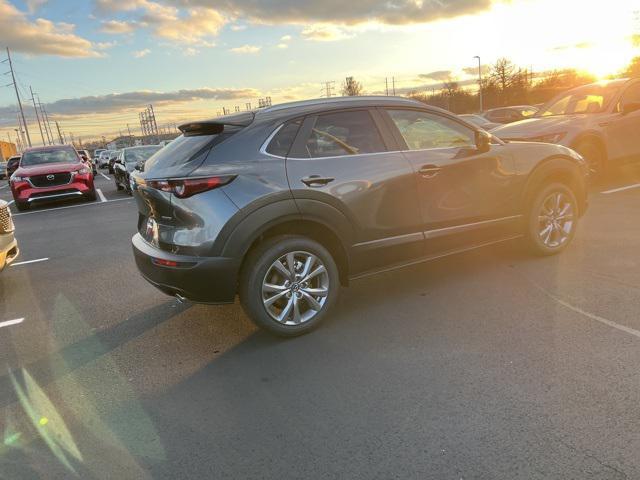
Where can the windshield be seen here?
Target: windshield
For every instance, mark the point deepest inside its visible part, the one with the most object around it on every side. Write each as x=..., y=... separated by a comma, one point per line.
x=587, y=99
x=43, y=157
x=135, y=155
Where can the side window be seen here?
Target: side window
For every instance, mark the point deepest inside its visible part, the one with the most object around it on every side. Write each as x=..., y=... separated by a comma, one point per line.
x=631, y=95
x=422, y=130
x=344, y=133
x=282, y=141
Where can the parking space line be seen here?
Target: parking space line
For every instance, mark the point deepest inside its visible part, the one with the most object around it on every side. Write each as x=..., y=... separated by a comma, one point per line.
x=621, y=189
x=30, y=261
x=4, y=186
x=72, y=206
x=104, y=175
x=10, y=202
x=101, y=195
x=8, y=323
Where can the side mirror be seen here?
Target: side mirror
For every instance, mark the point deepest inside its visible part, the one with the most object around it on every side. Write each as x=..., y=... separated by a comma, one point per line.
x=630, y=107
x=483, y=141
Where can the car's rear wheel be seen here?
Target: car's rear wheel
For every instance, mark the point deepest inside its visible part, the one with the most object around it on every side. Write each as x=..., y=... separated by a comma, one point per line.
x=553, y=219
x=22, y=206
x=288, y=285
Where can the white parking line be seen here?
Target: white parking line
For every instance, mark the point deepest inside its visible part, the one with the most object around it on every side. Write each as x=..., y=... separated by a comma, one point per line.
x=101, y=195
x=4, y=186
x=71, y=206
x=8, y=323
x=30, y=261
x=104, y=175
x=10, y=202
x=621, y=189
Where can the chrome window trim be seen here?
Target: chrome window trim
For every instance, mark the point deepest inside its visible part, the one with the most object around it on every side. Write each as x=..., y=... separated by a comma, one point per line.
x=265, y=145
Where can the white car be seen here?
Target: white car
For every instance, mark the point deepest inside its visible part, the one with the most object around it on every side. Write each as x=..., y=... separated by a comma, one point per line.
x=601, y=121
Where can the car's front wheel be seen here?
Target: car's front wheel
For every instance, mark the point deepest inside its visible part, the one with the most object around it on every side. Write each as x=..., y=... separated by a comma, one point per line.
x=553, y=219
x=289, y=284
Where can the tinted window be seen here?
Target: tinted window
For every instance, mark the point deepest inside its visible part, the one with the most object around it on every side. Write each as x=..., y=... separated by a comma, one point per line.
x=281, y=143
x=344, y=133
x=42, y=157
x=422, y=130
x=141, y=154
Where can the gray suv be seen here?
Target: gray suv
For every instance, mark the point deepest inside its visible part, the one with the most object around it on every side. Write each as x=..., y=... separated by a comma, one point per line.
x=286, y=204
x=601, y=121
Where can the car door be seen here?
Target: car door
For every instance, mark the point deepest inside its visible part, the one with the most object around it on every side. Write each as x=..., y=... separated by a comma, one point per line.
x=340, y=168
x=467, y=196
x=623, y=128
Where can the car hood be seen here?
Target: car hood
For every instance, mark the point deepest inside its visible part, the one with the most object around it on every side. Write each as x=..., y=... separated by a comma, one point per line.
x=537, y=126
x=48, y=168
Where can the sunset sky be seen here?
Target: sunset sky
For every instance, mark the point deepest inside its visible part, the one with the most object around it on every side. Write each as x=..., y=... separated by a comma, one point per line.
x=96, y=64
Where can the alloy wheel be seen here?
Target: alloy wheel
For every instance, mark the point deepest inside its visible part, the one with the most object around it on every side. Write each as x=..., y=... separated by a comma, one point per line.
x=295, y=288
x=556, y=220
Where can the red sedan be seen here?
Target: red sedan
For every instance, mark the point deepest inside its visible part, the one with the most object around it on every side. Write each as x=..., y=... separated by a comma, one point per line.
x=51, y=173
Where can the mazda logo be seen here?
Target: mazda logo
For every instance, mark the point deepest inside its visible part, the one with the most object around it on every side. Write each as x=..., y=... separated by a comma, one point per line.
x=50, y=177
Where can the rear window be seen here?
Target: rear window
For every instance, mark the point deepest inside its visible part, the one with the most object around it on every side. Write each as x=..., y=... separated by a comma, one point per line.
x=43, y=157
x=135, y=155
x=184, y=150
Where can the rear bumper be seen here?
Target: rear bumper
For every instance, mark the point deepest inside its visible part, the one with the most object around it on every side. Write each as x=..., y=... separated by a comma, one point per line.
x=204, y=280
x=8, y=249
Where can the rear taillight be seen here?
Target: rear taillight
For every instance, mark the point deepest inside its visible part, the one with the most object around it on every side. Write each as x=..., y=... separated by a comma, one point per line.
x=187, y=187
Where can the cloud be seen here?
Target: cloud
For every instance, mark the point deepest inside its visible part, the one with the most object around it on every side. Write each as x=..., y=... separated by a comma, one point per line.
x=285, y=38
x=237, y=28
x=121, y=102
x=34, y=5
x=246, y=49
x=575, y=46
x=141, y=53
x=194, y=26
x=116, y=27
x=392, y=12
x=41, y=36
x=282, y=45
x=438, y=75
x=474, y=70
x=325, y=33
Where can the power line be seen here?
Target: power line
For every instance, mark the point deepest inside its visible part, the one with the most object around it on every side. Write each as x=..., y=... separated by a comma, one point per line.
x=15, y=85
x=33, y=99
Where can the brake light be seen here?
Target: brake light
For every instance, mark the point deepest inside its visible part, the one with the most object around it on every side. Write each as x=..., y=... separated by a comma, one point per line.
x=170, y=263
x=187, y=187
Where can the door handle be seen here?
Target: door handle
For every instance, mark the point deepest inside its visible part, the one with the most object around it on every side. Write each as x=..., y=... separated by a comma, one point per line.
x=316, y=180
x=429, y=171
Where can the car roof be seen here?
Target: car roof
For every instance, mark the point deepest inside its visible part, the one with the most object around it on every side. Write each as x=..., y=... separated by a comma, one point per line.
x=306, y=107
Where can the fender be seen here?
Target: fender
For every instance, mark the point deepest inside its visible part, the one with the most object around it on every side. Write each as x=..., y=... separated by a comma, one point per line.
x=595, y=135
x=553, y=166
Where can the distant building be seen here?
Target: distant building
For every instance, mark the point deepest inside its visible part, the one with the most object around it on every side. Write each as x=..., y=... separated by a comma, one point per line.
x=7, y=150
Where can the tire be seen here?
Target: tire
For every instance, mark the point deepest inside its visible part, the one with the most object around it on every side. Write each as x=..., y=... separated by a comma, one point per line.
x=22, y=206
x=553, y=233
x=595, y=156
x=119, y=187
x=260, y=268
x=91, y=196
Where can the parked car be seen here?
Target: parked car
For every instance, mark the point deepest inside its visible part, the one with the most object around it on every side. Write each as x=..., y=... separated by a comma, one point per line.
x=103, y=158
x=8, y=244
x=479, y=121
x=84, y=154
x=601, y=121
x=112, y=159
x=3, y=169
x=285, y=204
x=130, y=159
x=51, y=173
x=515, y=113
x=12, y=165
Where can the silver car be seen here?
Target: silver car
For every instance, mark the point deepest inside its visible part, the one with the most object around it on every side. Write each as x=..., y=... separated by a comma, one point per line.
x=601, y=121
x=3, y=169
x=8, y=244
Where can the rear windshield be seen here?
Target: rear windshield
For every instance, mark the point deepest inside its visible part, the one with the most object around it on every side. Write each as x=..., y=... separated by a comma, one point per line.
x=185, y=149
x=43, y=157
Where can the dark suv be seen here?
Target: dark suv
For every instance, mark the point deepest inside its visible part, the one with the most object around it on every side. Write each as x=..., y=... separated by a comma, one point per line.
x=284, y=205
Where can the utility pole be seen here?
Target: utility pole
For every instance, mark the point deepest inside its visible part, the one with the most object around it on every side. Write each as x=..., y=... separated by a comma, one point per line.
x=480, y=83
x=15, y=86
x=59, y=133
x=393, y=80
x=46, y=116
x=386, y=85
x=44, y=121
x=20, y=126
x=18, y=142
x=33, y=99
x=328, y=87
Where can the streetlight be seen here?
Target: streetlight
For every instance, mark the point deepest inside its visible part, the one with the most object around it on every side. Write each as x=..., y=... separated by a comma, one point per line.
x=479, y=82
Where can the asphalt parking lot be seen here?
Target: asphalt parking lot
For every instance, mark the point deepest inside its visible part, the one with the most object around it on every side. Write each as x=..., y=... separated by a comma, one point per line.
x=488, y=365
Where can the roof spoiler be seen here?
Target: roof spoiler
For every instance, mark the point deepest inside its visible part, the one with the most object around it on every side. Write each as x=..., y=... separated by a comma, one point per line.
x=216, y=125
